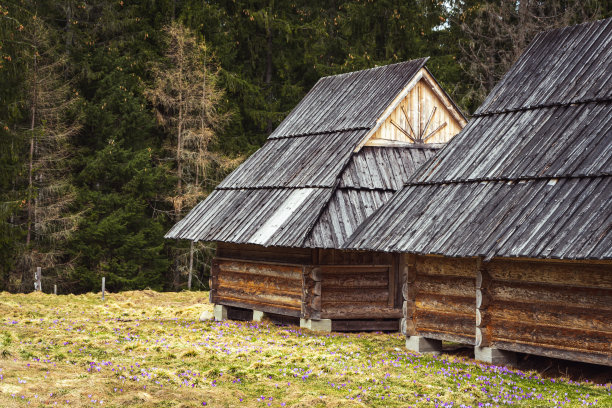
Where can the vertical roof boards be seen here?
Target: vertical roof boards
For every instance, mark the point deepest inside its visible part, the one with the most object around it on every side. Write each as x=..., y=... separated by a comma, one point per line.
x=530, y=176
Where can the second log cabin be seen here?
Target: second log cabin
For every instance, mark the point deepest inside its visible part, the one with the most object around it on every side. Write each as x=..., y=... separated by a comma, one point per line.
x=510, y=246
x=280, y=218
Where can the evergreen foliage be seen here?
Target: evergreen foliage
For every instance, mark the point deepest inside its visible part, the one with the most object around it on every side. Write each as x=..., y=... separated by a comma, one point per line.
x=109, y=174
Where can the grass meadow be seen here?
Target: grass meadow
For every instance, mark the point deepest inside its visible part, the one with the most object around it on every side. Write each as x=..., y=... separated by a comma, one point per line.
x=148, y=349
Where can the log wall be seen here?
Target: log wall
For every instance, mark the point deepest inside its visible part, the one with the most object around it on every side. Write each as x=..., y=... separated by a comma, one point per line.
x=439, y=298
x=557, y=309
x=359, y=285
x=310, y=283
x=258, y=285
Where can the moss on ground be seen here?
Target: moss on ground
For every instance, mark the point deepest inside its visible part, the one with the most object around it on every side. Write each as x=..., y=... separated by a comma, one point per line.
x=147, y=349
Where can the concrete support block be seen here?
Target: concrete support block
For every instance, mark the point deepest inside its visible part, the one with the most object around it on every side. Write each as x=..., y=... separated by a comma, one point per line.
x=258, y=315
x=220, y=313
x=494, y=356
x=424, y=345
x=324, y=325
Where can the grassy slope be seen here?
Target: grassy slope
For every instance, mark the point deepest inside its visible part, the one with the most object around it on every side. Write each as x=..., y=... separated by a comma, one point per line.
x=147, y=349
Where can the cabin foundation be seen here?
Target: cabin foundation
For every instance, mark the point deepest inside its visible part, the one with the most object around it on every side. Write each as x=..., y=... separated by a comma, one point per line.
x=494, y=356
x=220, y=313
x=258, y=315
x=322, y=325
x=422, y=344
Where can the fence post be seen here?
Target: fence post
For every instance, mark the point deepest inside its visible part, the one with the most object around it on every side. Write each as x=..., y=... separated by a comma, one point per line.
x=103, y=287
x=38, y=279
x=55, y=289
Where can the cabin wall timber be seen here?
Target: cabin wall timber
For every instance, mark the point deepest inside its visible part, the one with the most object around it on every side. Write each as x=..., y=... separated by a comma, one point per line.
x=358, y=285
x=560, y=309
x=353, y=289
x=439, y=297
x=553, y=308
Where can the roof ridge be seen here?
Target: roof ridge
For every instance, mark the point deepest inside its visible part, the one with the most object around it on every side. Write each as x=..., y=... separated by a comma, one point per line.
x=585, y=23
x=374, y=68
x=323, y=133
x=544, y=105
x=321, y=186
x=503, y=179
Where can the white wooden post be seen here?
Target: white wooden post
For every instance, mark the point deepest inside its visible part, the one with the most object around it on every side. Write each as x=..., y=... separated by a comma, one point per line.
x=103, y=287
x=55, y=289
x=190, y=266
x=38, y=279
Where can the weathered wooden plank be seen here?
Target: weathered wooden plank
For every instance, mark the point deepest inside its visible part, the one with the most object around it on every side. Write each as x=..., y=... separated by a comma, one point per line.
x=353, y=269
x=259, y=283
x=256, y=296
x=448, y=285
x=353, y=295
x=554, y=295
x=259, y=253
x=547, y=336
x=446, y=336
x=444, y=266
x=264, y=307
x=365, y=325
x=551, y=315
x=577, y=274
x=360, y=280
x=446, y=322
x=256, y=269
x=446, y=304
x=359, y=311
x=556, y=352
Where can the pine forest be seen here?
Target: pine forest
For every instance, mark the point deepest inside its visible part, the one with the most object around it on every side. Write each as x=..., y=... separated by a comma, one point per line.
x=117, y=117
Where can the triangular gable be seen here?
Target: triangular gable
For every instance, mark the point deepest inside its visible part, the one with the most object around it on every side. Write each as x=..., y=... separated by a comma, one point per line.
x=421, y=113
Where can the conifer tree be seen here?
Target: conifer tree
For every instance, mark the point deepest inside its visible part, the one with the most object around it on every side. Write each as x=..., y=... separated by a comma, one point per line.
x=186, y=95
x=50, y=119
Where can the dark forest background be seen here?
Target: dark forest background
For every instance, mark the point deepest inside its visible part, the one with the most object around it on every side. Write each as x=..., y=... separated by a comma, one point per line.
x=116, y=117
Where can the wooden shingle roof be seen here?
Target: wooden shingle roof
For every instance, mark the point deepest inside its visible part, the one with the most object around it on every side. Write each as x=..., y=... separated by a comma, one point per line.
x=283, y=193
x=530, y=175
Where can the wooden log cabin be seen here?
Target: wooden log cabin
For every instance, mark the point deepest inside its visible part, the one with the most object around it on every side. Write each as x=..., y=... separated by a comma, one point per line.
x=280, y=219
x=505, y=236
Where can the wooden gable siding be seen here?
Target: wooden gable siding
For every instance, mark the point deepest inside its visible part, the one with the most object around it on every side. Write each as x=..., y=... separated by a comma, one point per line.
x=419, y=104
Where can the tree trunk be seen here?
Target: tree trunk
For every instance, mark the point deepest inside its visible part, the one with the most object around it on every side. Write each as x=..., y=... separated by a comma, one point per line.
x=179, y=163
x=268, y=77
x=31, y=156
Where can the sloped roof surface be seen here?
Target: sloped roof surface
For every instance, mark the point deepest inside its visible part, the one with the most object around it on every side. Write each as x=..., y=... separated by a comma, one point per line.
x=305, y=161
x=530, y=176
x=370, y=180
x=561, y=66
x=240, y=216
x=276, y=197
x=384, y=168
x=348, y=101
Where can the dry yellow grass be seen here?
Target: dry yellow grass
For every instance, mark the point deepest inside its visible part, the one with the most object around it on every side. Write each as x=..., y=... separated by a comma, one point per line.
x=147, y=349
